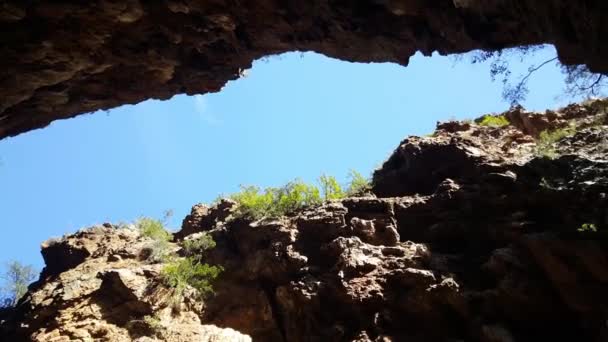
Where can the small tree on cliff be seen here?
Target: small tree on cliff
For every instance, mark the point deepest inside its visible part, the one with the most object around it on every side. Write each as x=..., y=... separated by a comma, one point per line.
x=16, y=278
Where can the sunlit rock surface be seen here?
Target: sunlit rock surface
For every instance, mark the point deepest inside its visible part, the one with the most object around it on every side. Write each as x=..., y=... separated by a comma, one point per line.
x=470, y=236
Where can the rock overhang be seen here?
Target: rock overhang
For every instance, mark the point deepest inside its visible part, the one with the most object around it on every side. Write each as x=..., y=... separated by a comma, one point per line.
x=60, y=59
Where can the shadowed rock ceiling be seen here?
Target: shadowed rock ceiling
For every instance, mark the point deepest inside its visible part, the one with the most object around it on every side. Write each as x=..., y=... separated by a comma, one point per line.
x=62, y=58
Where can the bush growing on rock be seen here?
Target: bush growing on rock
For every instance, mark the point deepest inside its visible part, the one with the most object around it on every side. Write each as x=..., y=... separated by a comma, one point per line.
x=331, y=188
x=358, y=184
x=294, y=196
x=255, y=203
x=153, y=229
x=179, y=273
x=158, y=251
x=198, y=245
x=159, y=248
x=545, y=144
x=274, y=202
x=494, y=121
x=182, y=273
x=587, y=228
x=154, y=324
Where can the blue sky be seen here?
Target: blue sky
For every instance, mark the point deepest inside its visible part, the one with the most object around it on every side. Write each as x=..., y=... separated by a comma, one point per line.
x=294, y=115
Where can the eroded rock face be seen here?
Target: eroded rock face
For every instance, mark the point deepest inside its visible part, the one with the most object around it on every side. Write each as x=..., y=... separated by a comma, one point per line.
x=62, y=58
x=104, y=295
x=490, y=249
x=486, y=250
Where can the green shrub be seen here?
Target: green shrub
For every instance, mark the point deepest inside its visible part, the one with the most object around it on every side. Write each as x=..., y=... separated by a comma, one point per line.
x=154, y=324
x=255, y=203
x=159, y=251
x=252, y=202
x=153, y=229
x=275, y=202
x=294, y=196
x=181, y=273
x=330, y=188
x=198, y=245
x=588, y=228
x=358, y=184
x=494, y=121
x=545, y=144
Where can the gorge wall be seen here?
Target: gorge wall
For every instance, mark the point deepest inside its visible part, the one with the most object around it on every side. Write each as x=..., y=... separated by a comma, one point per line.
x=62, y=58
x=471, y=234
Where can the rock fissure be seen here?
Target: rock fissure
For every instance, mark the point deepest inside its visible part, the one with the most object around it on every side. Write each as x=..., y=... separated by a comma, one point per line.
x=270, y=292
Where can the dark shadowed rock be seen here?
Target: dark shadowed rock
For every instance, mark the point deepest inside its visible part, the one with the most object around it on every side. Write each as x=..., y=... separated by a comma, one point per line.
x=204, y=218
x=481, y=239
x=62, y=58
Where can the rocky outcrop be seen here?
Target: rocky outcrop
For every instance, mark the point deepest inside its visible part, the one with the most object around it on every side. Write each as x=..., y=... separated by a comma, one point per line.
x=496, y=243
x=104, y=294
x=62, y=58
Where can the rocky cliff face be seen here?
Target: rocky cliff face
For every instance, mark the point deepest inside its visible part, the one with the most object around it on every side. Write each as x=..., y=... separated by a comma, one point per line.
x=470, y=236
x=62, y=58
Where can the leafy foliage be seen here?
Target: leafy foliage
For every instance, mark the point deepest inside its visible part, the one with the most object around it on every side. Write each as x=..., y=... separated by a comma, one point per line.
x=178, y=273
x=580, y=81
x=159, y=249
x=181, y=273
x=545, y=145
x=255, y=203
x=588, y=228
x=16, y=277
x=153, y=229
x=330, y=187
x=274, y=202
x=294, y=196
x=154, y=324
x=198, y=245
x=494, y=121
x=358, y=184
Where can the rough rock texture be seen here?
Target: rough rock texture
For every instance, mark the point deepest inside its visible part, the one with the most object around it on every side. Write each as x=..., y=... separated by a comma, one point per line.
x=97, y=287
x=485, y=248
x=62, y=58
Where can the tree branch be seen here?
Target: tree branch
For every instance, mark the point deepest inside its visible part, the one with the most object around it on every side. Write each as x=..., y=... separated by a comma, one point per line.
x=535, y=69
x=593, y=84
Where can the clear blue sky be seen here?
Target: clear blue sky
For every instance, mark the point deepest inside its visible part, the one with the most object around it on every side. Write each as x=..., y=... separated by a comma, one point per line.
x=293, y=116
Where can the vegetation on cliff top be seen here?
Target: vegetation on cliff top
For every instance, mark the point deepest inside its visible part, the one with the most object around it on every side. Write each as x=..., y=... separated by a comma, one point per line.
x=494, y=121
x=159, y=249
x=255, y=203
